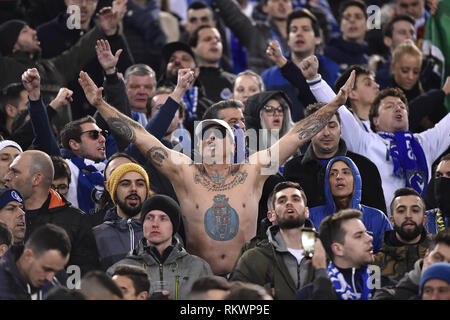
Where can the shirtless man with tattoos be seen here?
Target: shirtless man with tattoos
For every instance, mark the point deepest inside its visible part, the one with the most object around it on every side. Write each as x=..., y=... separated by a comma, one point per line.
x=219, y=201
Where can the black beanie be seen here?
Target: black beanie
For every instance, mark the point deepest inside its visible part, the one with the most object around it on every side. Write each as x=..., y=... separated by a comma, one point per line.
x=9, y=32
x=167, y=205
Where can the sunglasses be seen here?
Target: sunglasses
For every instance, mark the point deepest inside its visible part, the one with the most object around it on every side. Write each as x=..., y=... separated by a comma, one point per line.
x=270, y=109
x=206, y=132
x=94, y=134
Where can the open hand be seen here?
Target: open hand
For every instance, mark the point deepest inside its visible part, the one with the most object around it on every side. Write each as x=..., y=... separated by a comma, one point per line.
x=310, y=67
x=92, y=92
x=107, y=60
x=32, y=83
x=343, y=93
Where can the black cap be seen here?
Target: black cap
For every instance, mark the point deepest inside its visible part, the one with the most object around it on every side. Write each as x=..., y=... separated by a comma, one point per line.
x=9, y=32
x=167, y=205
x=171, y=47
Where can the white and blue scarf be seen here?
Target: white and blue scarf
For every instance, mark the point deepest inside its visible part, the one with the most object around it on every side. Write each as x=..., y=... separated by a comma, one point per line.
x=90, y=177
x=344, y=290
x=409, y=159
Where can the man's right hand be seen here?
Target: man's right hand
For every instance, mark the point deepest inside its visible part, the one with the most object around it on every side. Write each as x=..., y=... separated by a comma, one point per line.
x=91, y=91
x=319, y=259
x=275, y=55
x=310, y=67
x=186, y=79
x=107, y=60
x=32, y=83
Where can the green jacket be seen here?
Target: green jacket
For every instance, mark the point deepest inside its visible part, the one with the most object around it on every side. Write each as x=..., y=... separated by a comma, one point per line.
x=272, y=266
x=394, y=260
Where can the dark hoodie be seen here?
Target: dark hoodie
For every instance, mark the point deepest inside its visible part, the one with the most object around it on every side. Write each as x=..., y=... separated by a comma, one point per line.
x=346, y=53
x=374, y=220
x=59, y=211
x=253, y=119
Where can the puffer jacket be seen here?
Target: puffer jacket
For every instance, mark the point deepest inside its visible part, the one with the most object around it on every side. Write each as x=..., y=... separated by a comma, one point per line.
x=59, y=211
x=272, y=266
x=180, y=269
x=395, y=261
x=374, y=220
x=116, y=237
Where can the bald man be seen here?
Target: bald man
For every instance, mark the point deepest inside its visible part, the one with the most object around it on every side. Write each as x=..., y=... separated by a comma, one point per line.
x=31, y=173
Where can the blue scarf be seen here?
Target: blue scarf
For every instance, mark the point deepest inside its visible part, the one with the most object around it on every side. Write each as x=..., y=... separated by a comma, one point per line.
x=89, y=178
x=191, y=100
x=344, y=290
x=409, y=159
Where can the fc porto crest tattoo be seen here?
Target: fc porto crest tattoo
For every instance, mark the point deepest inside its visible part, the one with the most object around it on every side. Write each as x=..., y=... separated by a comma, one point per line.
x=221, y=220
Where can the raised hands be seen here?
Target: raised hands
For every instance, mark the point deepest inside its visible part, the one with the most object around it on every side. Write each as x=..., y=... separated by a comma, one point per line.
x=63, y=98
x=275, y=55
x=32, y=83
x=343, y=93
x=310, y=67
x=185, y=81
x=107, y=60
x=91, y=91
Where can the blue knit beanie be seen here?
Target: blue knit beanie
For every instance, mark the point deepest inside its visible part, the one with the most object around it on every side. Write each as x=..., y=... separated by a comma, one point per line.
x=440, y=270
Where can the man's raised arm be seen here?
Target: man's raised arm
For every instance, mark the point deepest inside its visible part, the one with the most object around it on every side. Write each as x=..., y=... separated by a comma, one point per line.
x=306, y=128
x=164, y=159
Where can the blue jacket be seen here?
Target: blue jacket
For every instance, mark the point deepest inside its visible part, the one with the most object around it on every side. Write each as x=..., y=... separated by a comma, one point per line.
x=346, y=53
x=274, y=79
x=374, y=220
x=116, y=237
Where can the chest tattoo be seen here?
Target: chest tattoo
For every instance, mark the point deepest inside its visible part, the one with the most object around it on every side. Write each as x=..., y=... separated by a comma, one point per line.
x=221, y=220
x=216, y=181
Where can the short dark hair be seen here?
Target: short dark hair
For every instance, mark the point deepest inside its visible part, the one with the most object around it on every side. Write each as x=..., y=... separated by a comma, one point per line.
x=312, y=108
x=62, y=169
x=166, y=90
x=205, y=283
x=389, y=92
x=303, y=13
x=442, y=236
x=197, y=5
x=284, y=185
x=72, y=130
x=137, y=275
x=445, y=157
x=5, y=234
x=351, y=3
x=246, y=291
x=406, y=192
x=11, y=94
x=339, y=83
x=330, y=229
x=389, y=27
x=98, y=282
x=49, y=237
x=193, y=40
x=213, y=111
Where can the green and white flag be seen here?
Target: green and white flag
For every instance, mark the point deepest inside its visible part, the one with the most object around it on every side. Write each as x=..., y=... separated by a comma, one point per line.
x=437, y=40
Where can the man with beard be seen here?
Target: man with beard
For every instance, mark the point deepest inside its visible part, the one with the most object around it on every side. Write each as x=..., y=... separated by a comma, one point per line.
x=129, y=187
x=278, y=263
x=409, y=240
x=437, y=219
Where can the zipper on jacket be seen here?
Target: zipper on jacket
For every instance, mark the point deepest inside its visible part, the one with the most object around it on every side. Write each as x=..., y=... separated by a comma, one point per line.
x=353, y=280
x=161, y=278
x=177, y=283
x=130, y=228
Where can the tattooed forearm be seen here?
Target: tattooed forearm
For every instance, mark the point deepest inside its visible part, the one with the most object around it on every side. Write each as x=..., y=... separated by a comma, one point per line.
x=120, y=127
x=157, y=155
x=312, y=125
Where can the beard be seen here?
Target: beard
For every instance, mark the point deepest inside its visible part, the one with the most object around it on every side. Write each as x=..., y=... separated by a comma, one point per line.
x=127, y=210
x=291, y=222
x=410, y=234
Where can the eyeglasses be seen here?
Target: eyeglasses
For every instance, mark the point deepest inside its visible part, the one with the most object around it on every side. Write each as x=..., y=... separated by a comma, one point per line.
x=271, y=109
x=61, y=188
x=94, y=134
x=206, y=132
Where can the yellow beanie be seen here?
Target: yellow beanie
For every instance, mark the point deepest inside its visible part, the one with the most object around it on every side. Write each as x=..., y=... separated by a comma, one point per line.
x=119, y=172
